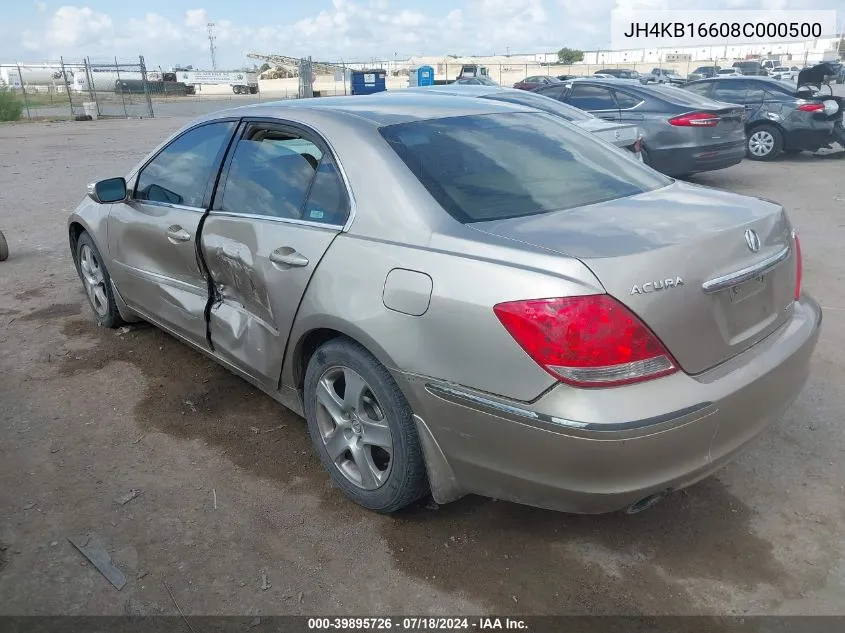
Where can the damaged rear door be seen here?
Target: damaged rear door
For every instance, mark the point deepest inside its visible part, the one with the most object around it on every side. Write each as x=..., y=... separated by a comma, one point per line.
x=280, y=203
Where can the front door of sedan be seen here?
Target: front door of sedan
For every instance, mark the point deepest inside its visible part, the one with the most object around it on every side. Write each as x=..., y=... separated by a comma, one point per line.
x=597, y=100
x=152, y=236
x=280, y=203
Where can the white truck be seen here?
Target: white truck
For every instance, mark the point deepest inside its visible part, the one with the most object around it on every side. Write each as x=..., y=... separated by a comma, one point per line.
x=241, y=81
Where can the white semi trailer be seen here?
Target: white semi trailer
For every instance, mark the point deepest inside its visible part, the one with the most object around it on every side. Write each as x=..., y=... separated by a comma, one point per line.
x=240, y=81
x=33, y=75
x=104, y=79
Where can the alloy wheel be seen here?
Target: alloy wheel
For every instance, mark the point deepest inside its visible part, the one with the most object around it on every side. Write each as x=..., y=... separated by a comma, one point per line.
x=94, y=280
x=353, y=428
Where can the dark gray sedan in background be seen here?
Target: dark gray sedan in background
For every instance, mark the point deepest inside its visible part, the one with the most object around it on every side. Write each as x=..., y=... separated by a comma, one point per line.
x=777, y=118
x=683, y=133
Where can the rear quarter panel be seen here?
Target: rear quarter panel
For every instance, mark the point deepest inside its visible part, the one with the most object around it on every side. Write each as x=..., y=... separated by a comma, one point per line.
x=458, y=339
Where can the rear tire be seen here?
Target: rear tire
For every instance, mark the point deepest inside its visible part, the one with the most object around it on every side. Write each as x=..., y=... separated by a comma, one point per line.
x=764, y=142
x=365, y=437
x=97, y=282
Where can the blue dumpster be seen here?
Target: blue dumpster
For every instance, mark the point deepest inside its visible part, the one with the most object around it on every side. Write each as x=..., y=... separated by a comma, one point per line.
x=422, y=76
x=367, y=82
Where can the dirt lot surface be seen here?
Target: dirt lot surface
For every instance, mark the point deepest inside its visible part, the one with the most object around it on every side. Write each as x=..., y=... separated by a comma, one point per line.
x=236, y=516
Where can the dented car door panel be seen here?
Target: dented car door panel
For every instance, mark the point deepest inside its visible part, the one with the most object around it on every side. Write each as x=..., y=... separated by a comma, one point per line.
x=256, y=297
x=279, y=204
x=153, y=235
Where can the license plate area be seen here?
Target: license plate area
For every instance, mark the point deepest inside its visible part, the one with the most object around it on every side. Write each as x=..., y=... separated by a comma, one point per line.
x=747, y=289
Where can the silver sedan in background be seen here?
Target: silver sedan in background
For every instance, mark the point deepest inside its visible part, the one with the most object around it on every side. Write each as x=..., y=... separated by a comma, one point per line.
x=461, y=295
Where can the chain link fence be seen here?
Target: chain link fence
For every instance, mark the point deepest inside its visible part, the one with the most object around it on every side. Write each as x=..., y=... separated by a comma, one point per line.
x=78, y=89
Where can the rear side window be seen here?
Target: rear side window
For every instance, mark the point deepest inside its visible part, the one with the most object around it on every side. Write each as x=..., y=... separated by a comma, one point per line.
x=496, y=166
x=542, y=101
x=180, y=173
x=627, y=101
x=591, y=98
x=702, y=89
x=279, y=174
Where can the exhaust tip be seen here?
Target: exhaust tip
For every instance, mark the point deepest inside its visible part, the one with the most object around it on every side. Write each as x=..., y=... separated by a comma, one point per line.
x=645, y=503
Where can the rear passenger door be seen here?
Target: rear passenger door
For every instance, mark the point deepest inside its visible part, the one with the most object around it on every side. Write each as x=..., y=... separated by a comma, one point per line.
x=630, y=107
x=280, y=203
x=742, y=92
x=597, y=100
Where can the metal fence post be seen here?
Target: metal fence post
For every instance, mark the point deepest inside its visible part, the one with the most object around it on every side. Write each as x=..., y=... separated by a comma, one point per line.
x=91, y=88
x=122, y=97
x=146, y=86
x=23, y=90
x=67, y=87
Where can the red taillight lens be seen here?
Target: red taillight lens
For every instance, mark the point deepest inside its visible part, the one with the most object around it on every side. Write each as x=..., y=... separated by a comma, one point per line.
x=696, y=119
x=811, y=107
x=799, y=265
x=589, y=341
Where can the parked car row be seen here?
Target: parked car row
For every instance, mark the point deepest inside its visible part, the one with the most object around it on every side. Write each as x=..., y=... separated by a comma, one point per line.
x=710, y=123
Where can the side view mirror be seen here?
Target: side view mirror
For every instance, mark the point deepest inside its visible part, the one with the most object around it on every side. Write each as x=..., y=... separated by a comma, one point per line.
x=108, y=191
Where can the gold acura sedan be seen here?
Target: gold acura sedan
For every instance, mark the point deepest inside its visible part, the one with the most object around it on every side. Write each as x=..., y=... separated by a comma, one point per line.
x=461, y=296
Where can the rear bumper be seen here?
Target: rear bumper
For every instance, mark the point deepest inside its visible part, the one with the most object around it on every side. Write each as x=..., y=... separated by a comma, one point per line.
x=811, y=138
x=595, y=451
x=689, y=160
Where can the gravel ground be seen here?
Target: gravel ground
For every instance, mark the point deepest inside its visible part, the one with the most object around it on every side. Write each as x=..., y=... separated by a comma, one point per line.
x=236, y=516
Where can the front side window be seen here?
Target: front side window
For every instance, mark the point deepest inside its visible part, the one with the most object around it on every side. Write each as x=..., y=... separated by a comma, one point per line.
x=180, y=173
x=280, y=174
x=496, y=166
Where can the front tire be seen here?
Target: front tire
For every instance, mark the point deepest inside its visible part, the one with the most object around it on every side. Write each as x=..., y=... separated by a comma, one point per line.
x=764, y=143
x=362, y=428
x=97, y=282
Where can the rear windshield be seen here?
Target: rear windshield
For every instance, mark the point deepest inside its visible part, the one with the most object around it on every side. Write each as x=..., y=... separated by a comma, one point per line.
x=497, y=166
x=541, y=102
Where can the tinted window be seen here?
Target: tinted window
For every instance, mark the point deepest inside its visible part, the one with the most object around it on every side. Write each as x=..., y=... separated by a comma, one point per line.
x=731, y=91
x=554, y=92
x=272, y=174
x=181, y=172
x=495, y=166
x=591, y=98
x=542, y=102
x=626, y=101
x=702, y=89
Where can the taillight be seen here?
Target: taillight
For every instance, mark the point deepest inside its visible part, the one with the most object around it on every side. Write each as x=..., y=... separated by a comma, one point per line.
x=588, y=341
x=811, y=107
x=799, y=265
x=696, y=119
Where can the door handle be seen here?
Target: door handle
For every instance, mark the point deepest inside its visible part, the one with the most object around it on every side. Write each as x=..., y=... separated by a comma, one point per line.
x=286, y=256
x=177, y=234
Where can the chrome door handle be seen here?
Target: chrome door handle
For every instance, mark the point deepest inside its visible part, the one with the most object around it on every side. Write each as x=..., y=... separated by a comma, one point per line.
x=288, y=257
x=176, y=234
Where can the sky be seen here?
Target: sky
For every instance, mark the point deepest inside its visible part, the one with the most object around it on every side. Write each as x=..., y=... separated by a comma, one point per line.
x=173, y=32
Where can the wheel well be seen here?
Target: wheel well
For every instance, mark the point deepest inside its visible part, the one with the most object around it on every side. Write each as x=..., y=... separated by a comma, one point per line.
x=761, y=122
x=306, y=348
x=75, y=230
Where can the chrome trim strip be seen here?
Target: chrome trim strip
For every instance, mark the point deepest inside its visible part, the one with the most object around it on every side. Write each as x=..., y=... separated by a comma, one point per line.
x=256, y=216
x=166, y=205
x=460, y=396
x=717, y=284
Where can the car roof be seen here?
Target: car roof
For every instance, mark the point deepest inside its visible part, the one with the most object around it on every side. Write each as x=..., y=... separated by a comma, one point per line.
x=373, y=109
x=460, y=90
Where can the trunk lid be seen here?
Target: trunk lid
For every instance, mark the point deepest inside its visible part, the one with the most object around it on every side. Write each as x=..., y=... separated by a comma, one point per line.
x=620, y=134
x=679, y=258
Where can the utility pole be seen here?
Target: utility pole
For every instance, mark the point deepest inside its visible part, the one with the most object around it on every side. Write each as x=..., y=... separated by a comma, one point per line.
x=212, y=49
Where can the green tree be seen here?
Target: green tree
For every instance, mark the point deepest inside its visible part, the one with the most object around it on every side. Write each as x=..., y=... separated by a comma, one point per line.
x=264, y=66
x=569, y=56
x=10, y=106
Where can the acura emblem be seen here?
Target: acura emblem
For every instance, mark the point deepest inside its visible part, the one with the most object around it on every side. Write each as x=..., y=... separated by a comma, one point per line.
x=752, y=240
